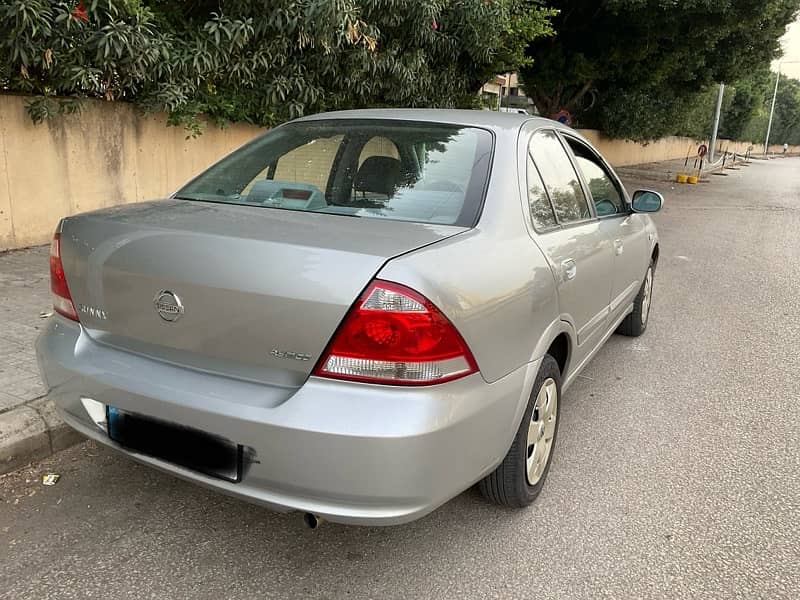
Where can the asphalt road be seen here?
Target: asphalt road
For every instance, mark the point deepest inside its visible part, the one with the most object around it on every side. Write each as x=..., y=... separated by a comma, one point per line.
x=676, y=475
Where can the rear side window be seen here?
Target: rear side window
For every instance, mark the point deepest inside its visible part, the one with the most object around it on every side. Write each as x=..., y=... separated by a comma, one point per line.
x=560, y=178
x=542, y=214
x=402, y=170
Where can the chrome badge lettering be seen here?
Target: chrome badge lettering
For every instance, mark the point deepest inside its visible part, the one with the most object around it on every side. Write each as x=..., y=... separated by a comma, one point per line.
x=290, y=355
x=168, y=305
x=92, y=312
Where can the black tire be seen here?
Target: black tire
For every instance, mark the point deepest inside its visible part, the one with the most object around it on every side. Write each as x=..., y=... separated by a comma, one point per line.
x=634, y=324
x=508, y=484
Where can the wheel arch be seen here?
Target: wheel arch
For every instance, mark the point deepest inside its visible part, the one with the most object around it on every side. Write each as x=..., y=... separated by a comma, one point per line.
x=561, y=349
x=558, y=341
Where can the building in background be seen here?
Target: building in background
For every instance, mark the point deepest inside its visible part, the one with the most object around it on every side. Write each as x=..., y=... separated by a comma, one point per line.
x=504, y=92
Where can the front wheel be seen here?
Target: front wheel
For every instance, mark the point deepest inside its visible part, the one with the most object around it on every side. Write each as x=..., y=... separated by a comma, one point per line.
x=521, y=475
x=635, y=323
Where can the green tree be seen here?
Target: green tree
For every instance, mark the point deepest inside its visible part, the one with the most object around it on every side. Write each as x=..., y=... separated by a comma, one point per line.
x=694, y=119
x=634, y=68
x=247, y=60
x=786, y=122
x=756, y=129
x=748, y=97
x=54, y=48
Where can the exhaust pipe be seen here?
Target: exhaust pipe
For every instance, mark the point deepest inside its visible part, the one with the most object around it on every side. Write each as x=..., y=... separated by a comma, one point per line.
x=312, y=521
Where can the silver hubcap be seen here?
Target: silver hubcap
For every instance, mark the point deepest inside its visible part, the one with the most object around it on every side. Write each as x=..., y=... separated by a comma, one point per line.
x=541, y=430
x=646, y=295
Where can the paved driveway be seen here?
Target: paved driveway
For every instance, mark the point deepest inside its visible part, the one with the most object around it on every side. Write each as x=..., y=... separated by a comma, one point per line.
x=677, y=473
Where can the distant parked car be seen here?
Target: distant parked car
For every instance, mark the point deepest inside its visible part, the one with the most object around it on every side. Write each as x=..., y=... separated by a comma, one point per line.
x=358, y=315
x=516, y=111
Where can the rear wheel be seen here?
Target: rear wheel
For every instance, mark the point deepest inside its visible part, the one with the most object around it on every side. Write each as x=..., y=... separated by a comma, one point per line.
x=521, y=475
x=635, y=323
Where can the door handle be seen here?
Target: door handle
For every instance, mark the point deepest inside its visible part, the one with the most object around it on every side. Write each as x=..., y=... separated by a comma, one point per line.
x=619, y=246
x=569, y=269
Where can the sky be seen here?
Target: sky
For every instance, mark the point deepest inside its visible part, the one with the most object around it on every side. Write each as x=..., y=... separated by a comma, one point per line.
x=791, y=51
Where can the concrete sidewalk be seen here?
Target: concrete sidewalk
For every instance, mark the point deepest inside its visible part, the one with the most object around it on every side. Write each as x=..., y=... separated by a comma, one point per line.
x=29, y=426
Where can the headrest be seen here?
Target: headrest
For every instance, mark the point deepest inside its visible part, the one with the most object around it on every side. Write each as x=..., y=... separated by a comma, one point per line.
x=378, y=175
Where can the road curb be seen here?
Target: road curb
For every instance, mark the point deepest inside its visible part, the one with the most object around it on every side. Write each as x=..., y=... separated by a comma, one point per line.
x=32, y=432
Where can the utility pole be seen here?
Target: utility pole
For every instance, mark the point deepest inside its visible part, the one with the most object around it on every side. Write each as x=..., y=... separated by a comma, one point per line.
x=715, y=131
x=772, y=110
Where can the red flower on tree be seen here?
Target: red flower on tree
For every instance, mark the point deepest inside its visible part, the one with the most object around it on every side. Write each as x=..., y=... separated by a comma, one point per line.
x=79, y=12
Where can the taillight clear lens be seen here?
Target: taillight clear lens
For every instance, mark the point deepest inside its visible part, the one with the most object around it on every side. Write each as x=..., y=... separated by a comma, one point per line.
x=62, y=301
x=395, y=335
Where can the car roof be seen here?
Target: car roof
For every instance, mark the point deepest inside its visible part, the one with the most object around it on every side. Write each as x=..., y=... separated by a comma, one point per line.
x=475, y=118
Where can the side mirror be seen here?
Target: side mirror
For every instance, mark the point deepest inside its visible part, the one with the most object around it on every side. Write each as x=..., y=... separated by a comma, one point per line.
x=647, y=201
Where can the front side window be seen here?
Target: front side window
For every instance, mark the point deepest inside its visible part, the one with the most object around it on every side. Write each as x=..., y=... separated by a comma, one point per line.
x=559, y=177
x=607, y=197
x=402, y=170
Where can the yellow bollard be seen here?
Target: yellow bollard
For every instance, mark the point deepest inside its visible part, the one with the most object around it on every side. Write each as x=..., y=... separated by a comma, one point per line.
x=692, y=179
x=681, y=178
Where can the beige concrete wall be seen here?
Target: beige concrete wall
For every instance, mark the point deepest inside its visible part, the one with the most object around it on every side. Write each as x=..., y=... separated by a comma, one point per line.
x=109, y=154
x=621, y=153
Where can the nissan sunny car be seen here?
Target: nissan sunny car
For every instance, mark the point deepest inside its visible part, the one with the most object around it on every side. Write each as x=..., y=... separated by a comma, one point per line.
x=356, y=316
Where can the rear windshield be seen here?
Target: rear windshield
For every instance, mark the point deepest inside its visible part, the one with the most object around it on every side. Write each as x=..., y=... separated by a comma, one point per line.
x=402, y=170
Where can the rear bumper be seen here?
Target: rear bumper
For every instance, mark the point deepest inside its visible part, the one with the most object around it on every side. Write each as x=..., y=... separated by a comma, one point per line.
x=353, y=453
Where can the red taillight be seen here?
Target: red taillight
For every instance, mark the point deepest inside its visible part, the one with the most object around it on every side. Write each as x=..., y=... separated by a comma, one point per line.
x=394, y=335
x=62, y=301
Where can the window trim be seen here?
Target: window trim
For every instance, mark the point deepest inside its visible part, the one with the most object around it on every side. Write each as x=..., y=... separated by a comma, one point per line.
x=608, y=171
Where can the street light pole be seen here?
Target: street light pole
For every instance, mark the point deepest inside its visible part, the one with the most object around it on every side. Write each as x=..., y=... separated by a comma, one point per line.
x=772, y=111
x=713, y=148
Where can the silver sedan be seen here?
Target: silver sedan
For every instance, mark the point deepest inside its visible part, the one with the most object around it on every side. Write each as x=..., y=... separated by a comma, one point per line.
x=356, y=316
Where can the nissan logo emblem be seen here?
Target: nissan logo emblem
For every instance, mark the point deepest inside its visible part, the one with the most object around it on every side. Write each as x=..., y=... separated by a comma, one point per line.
x=168, y=305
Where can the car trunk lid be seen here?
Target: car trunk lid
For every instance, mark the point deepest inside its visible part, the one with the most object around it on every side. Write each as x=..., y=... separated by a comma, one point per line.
x=251, y=293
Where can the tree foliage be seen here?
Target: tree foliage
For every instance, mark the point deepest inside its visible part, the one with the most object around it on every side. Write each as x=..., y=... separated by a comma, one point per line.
x=49, y=48
x=745, y=110
x=261, y=61
x=786, y=122
x=634, y=68
x=748, y=94
x=742, y=104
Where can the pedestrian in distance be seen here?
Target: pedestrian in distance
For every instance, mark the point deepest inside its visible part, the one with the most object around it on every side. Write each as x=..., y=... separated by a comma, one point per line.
x=785, y=149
